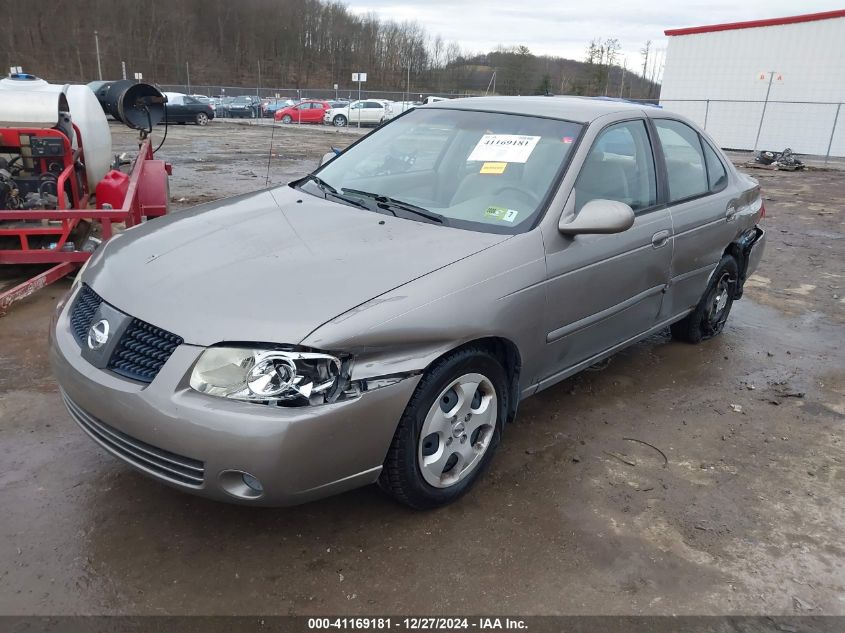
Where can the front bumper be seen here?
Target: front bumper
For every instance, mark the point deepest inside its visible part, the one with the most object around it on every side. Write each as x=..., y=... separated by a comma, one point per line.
x=193, y=442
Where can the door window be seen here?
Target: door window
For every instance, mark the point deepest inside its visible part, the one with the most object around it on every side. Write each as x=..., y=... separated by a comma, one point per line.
x=620, y=166
x=717, y=177
x=684, y=160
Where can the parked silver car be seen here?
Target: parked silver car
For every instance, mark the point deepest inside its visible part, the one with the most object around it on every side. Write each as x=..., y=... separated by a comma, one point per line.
x=380, y=319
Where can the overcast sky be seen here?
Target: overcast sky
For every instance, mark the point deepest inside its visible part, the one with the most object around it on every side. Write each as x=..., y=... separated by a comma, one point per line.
x=565, y=27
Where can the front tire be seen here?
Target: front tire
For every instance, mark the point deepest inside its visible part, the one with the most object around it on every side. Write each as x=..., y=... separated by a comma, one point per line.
x=286, y=119
x=710, y=315
x=449, y=430
x=339, y=121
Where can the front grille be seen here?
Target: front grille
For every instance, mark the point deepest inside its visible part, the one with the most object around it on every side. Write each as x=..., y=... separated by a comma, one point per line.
x=142, y=351
x=84, y=307
x=174, y=468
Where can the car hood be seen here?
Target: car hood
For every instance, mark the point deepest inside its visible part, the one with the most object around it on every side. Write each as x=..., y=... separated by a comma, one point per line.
x=271, y=266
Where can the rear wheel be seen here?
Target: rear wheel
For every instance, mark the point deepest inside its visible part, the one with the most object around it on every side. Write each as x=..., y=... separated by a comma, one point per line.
x=201, y=118
x=710, y=315
x=449, y=430
x=339, y=121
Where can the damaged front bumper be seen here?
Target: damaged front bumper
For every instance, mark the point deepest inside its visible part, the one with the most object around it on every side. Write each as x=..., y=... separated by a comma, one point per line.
x=207, y=445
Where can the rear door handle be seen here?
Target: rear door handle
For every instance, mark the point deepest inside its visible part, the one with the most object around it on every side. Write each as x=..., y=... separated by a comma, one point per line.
x=660, y=239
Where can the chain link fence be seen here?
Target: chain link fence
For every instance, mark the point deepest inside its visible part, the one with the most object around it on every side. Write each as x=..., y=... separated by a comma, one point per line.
x=345, y=93
x=807, y=127
x=810, y=128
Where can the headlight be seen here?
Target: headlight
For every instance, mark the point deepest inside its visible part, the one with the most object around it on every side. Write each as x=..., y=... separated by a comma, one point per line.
x=290, y=377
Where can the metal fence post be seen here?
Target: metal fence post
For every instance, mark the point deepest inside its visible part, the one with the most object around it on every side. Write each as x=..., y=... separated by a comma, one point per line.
x=763, y=114
x=706, y=113
x=832, y=132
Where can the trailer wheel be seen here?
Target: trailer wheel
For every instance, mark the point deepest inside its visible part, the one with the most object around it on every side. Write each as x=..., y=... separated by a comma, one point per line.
x=202, y=118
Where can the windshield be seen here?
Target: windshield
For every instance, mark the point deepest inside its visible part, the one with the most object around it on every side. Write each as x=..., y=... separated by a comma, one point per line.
x=477, y=170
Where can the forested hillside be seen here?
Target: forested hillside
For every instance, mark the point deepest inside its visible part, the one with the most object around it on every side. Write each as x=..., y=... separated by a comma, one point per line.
x=278, y=43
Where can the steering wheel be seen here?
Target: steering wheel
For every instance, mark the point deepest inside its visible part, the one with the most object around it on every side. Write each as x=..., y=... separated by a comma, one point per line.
x=525, y=194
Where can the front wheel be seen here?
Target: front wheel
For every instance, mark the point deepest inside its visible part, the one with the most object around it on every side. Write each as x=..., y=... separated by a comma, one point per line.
x=710, y=315
x=202, y=118
x=286, y=119
x=449, y=430
x=339, y=121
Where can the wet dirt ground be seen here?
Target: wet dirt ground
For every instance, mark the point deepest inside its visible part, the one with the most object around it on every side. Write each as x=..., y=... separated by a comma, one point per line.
x=676, y=480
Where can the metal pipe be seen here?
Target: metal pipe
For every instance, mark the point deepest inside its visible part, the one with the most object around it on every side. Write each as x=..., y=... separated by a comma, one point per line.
x=832, y=132
x=763, y=114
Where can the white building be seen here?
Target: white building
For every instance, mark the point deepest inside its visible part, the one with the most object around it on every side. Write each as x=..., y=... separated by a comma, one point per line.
x=731, y=65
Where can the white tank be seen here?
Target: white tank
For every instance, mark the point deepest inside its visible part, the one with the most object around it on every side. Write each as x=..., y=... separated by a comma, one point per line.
x=85, y=112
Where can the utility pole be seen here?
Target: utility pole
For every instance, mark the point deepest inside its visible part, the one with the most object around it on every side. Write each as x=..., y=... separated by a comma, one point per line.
x=257, y=92
x=492, y=83
x=622, y=83
x=188, y=75
x=123, y=69
x=97, y=46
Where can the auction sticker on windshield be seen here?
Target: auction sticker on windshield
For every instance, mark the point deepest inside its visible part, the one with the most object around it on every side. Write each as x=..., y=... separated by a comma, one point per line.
x=500, y=213
x=504, y=148
x=493, y=168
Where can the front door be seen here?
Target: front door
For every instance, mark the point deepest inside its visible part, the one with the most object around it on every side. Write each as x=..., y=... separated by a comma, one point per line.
x=604, y=290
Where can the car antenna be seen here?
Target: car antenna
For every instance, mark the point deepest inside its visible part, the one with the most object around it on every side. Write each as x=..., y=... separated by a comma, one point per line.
x=270, y=154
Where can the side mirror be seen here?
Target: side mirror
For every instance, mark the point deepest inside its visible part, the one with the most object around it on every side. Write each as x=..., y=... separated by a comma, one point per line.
x=599, y=216
x=329, y=155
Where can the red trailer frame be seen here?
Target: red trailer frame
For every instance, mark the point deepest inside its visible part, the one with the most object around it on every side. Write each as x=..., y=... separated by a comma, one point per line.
x=147, y=196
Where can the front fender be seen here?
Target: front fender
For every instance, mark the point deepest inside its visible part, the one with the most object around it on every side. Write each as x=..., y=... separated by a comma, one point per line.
x=497, y=292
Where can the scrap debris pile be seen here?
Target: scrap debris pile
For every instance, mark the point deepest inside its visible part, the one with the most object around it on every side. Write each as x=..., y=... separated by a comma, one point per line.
x=779, y=160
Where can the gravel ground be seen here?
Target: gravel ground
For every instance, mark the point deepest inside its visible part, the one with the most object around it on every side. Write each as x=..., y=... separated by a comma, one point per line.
x=677, y=480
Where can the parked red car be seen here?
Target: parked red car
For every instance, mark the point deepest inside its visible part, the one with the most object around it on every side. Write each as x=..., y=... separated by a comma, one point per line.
x=308, y=111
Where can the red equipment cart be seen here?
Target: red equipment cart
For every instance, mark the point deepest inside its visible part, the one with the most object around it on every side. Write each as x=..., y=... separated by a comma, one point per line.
x=54, y=236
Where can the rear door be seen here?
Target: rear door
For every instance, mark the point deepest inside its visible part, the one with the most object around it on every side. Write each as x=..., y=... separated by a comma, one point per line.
x=373, y=112
x=176, y=109
x=314, y=113
x=700, y=204
x=605, y=290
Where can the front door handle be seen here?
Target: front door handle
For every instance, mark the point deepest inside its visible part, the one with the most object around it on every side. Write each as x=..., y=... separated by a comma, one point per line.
x=661, y=238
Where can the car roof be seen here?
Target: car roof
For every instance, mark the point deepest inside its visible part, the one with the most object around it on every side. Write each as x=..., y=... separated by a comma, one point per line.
x=579, y=109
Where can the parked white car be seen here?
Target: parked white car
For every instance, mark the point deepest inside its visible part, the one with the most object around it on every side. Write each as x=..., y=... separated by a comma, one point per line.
x=365, y=112
x=396, y=108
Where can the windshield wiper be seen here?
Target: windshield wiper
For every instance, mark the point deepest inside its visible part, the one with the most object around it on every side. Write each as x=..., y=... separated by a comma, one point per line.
x=389, y=204
x=328, y=190
x=322, y=184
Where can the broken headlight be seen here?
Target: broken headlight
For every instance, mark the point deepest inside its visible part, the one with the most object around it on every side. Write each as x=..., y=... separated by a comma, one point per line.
x=285, y=377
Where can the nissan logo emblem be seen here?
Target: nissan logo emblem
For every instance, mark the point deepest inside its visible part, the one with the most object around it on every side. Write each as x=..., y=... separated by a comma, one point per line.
x=98, y=334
